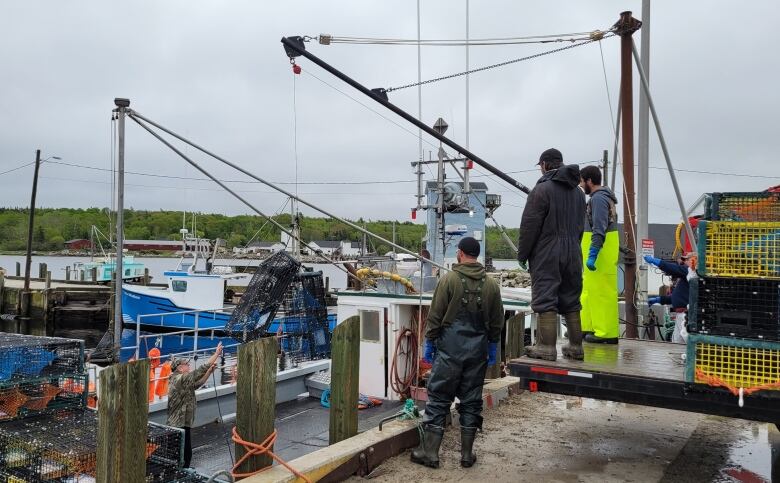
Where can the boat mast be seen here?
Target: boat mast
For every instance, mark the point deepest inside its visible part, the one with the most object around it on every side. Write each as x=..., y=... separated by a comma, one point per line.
x=122, y=105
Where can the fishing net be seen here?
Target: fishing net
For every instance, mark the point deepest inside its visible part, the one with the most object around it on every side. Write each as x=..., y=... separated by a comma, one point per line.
x=262, y=297
x=303, y=321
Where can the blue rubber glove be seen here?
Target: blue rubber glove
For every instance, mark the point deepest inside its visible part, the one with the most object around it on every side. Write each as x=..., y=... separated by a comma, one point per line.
x=652, y=260
x=592, y=256
x=653, y=300
x=430, y=351
x=492, y=349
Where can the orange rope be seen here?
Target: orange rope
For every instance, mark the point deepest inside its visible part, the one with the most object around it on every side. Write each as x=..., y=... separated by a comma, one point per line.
x=718, y=382
x=254, y=449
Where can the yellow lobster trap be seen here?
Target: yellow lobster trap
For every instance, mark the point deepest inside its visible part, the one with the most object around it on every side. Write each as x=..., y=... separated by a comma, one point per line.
x=739, y=249
x=740, y=365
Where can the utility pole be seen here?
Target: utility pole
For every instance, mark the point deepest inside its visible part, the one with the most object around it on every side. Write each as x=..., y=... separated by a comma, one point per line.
x=626, y=26
x=121, y=110
x=643, y=169
x=28, y=260
x=605, y=167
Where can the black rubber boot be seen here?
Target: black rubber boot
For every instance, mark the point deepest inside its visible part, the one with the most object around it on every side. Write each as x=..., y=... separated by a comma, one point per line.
x=600, y=340
x=546, y=335
x=467, y=456
x=427, y=454
x=573, y=350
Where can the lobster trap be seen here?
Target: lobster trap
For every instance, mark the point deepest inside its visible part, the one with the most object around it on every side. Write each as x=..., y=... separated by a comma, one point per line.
x=748, y=308
x=739, y=249
x=62, y=446
x=738, y=365
x=754, y=207
x=24, y=357
x=20, y=399
x=262, y=297
x=303, y=321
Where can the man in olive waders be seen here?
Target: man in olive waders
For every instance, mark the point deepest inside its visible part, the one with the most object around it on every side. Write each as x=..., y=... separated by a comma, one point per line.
x=549, y=245
x=461, y=339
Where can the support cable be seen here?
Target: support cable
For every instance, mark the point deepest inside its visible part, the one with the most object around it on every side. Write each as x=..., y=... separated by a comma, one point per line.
x=136, y=116
x=316, y=251
x=664, y=148
x=505, y=63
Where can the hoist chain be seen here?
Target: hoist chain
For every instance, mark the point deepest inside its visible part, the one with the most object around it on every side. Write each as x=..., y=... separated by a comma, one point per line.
x=501, y=64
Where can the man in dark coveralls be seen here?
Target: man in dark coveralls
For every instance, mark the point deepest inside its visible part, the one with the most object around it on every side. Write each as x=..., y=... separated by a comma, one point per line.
x=462, y=333
x=550, y=235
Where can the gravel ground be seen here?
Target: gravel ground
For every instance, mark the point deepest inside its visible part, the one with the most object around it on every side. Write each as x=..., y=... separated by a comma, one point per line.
x=544, y=437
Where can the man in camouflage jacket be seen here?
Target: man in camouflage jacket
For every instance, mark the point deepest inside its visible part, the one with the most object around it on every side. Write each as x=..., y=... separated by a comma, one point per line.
x=181, y=395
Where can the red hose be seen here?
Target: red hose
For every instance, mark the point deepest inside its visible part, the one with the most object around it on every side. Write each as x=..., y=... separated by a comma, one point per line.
x=401, y=384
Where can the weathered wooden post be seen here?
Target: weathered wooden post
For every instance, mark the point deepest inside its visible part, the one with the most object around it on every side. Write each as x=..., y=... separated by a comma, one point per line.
x=18, y=269
x=2, y=286
x=67, y=273
x=345, y=366
x=256, y=398
x=93, y=274
x=47, y=277
x=81, y=274
x=41, y=270
x=146, y=276
x=123, y=415
x=515, y=336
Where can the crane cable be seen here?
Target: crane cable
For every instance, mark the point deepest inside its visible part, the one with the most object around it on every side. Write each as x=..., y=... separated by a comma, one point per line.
x=595, y=36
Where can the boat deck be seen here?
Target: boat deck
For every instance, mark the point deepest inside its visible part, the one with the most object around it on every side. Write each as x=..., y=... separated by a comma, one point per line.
x=302, y=428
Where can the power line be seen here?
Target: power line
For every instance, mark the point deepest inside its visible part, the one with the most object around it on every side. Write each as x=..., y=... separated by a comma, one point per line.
x=741, y=175
x=18, y=167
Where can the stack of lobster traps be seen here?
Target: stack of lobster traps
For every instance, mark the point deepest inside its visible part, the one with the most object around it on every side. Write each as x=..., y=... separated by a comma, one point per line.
x=734, y=312
x=47, y=432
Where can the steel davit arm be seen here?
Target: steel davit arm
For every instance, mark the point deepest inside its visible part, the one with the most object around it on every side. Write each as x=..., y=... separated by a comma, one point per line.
x=294, y=47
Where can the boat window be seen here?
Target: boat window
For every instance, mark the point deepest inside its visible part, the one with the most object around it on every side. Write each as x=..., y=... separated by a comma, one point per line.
x=179, y=285
x=369, y=326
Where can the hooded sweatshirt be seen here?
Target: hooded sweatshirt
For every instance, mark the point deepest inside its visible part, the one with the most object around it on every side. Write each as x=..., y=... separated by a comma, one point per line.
x=602, y=215
x=448, y=299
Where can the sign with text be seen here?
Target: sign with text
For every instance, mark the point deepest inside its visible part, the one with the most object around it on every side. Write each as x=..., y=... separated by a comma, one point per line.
x=648, y=248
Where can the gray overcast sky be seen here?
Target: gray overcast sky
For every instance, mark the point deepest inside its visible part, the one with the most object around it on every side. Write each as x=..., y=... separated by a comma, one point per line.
x=216, y=72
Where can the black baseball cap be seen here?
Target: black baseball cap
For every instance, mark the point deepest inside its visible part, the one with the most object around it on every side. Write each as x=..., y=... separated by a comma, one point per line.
x=550, y=155
x=469, y=246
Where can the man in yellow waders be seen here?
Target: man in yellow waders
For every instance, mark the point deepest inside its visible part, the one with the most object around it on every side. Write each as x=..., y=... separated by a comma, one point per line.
x=600, y=249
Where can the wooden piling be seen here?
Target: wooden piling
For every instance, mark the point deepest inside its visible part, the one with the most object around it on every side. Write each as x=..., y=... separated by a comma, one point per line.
x=93, y=274
x=2, y=286
x=18, y=269
x=146, y=276
x=47, y=277
x=345, y=366
x=67, y=273
x=42, y=270
x=123, y=415
x=256, y=398
x=515, y=336
x=81, y=274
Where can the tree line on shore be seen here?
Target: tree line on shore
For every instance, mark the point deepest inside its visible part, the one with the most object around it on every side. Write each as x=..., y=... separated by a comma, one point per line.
x=55, y=226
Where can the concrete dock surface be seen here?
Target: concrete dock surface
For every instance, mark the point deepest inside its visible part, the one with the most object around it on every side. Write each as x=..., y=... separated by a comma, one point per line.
x=544, y=437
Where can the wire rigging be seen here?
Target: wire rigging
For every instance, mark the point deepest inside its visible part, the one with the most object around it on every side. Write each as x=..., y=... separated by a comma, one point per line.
x=326, y=39
x=597, y=38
